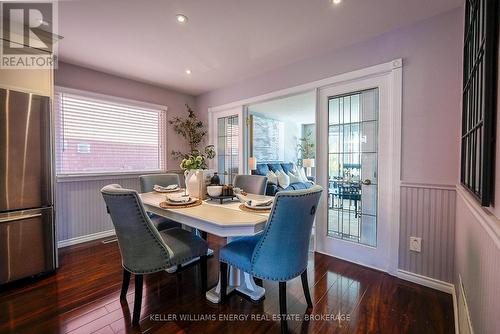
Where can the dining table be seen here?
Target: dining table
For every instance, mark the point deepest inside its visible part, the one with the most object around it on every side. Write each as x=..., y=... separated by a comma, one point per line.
x=224, y=219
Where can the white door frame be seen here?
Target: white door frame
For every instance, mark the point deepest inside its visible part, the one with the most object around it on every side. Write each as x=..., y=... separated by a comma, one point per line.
x=384, y=256
x=393, y=71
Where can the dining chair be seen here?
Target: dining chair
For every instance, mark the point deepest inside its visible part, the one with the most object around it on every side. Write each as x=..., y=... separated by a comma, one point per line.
x=279, y=253
x=147, y=184
x=143, y=248
x=253, y=184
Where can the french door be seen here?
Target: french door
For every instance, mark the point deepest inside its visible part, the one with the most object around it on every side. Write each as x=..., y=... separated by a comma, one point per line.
x=355, y=167
x=227, y=134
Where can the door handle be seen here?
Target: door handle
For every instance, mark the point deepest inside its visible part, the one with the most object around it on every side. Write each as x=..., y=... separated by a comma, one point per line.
x=22, y=217
x=366, y=182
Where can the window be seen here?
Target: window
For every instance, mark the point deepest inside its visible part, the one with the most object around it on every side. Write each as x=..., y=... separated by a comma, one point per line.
x=479, y=100
x=100, y=135
x=227, y=147
x=353, y=166
x=268, y=142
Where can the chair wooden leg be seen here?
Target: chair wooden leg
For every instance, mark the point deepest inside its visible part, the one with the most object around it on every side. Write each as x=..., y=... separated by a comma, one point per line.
x=223, y=281
x=125, y=283
x=305, y=287
x=282, y=297
x=203, y=273
x=137, y=300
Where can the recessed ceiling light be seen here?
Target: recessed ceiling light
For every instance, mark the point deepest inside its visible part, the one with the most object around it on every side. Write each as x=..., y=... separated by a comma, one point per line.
x=188, y=71
x=336, y=2
x=181, y=18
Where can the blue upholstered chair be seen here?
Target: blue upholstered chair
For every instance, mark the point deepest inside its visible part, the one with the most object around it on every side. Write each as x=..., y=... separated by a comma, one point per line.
x=144, y=249
x=147, y=184
x=280, y=252
x=253, y=184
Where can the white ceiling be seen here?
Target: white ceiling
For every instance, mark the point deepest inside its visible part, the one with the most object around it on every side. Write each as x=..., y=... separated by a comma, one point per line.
x=224, y=41
x=298, y=108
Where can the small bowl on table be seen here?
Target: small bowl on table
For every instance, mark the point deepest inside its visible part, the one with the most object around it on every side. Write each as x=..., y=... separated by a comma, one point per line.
x=214, y=191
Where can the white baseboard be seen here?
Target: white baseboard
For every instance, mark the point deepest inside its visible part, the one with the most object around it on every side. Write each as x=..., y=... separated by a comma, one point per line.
x=465, y=323
x=434, y=284
x=356, y=262
x=455, y=311
x=85, y=238
x=427, y=281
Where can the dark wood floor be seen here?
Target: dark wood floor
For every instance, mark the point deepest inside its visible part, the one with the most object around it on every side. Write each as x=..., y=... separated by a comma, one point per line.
x=83, y=297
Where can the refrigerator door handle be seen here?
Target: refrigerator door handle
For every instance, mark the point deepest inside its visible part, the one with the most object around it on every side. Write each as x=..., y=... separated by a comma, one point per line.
x=12, y=219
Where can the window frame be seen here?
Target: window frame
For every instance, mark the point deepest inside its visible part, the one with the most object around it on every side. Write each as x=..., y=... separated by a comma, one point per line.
x=476, y=115
x=83, y=176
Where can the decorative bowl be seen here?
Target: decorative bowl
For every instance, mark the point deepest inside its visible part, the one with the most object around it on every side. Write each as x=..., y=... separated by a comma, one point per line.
x=214, y=191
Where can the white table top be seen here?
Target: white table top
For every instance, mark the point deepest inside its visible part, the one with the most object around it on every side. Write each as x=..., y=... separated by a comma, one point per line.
x=224, y=220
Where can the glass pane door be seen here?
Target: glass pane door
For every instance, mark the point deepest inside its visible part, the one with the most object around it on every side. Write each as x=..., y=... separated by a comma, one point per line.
x=227, y=147
x=352, y=166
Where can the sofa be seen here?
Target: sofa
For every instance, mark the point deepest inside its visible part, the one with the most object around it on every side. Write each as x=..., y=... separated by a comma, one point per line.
x=272, y=188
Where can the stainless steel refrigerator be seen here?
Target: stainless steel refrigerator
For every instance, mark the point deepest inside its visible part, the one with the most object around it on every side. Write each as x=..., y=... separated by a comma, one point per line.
x=27, y=234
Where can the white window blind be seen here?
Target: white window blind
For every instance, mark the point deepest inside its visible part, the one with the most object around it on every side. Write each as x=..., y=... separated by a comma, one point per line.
x=99, y=136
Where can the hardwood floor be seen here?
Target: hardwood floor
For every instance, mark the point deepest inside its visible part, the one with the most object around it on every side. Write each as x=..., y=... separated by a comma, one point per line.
x=83, y=297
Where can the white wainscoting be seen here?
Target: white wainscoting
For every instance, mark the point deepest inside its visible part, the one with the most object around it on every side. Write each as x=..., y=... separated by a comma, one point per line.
x=477, y=265
x=428, y=212
x=80, y=210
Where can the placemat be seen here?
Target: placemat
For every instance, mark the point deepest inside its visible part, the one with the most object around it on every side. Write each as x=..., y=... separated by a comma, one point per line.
x=165, y=205
x=245, y=208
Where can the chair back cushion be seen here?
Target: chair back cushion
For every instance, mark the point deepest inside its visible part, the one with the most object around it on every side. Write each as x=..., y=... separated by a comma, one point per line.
x=141, y=246
x=281, y=253
x=149, y=181
x=253, y=184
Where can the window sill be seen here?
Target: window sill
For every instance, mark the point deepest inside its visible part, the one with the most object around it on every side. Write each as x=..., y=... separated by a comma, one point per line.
x=102, y=176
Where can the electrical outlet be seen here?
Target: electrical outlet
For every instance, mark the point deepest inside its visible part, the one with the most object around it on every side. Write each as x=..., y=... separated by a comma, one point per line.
x=416, y=244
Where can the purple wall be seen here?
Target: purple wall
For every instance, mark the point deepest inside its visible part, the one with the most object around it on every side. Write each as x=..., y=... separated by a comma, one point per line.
x=432, y=53
x=72, y=76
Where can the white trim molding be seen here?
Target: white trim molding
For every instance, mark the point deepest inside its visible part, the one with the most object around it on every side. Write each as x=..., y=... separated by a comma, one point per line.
x=462, y=298
x=489, y=222
x=426, y=281
x=437, y=285
x=388, y=78
x=428, y=185
x=455, y=310
x=339, y=78
x=85, y=238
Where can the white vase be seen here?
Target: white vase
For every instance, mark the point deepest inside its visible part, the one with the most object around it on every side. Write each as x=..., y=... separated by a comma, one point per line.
x=192, y=182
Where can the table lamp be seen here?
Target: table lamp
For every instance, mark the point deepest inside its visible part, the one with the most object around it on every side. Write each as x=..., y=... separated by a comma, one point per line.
x=252, y=164
x=308, y=163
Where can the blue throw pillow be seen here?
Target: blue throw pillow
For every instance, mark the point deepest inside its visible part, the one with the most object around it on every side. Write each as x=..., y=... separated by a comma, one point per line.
x=262, y=169
x=275, y=167
x=287, y=166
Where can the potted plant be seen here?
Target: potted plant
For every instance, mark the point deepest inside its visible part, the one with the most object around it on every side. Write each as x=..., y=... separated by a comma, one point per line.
x=194, y=132
x=305, y=149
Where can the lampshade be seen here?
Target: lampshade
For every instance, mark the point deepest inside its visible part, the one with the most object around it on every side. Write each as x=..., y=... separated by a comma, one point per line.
x=308, y=162
x=252, y=163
